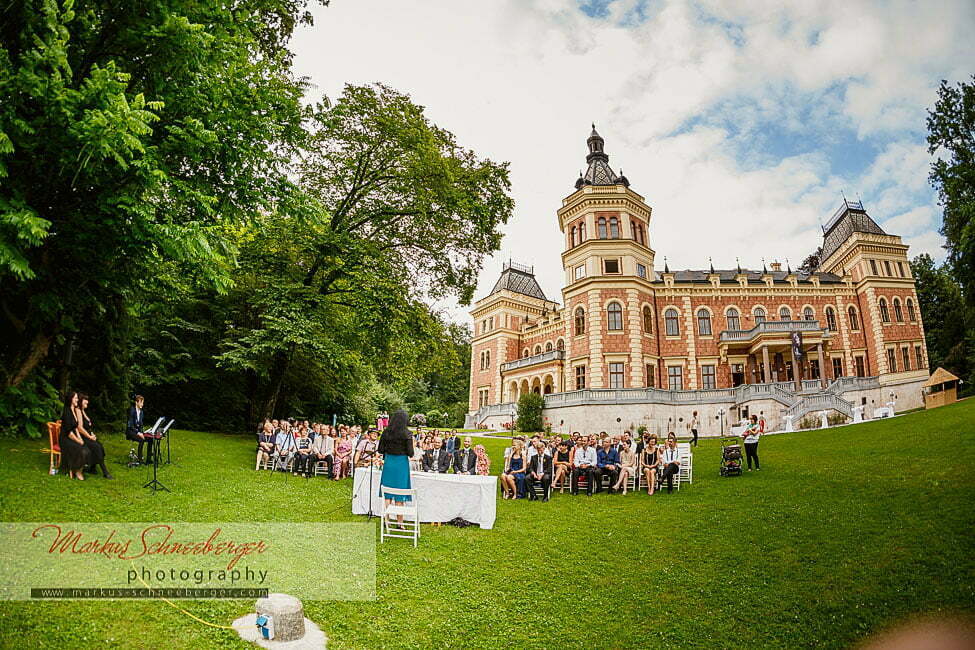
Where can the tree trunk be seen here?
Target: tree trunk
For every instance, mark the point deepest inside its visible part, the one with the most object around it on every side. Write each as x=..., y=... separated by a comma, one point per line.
x=35, y=353
x=282, y=362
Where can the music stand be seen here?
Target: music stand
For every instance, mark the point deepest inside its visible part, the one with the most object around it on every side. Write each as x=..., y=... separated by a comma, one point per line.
x=154, y=438
x=165, y=433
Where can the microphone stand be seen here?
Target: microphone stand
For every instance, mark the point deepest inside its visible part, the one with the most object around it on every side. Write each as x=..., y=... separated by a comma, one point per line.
x=372, y=467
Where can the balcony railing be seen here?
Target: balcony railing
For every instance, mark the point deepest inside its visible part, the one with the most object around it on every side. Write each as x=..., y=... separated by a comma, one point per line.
x=781, y=392
x=544, y=357
x=772, y=327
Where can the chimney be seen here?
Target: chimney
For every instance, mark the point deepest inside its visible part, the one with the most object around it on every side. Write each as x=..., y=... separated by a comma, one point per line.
x=776, y=266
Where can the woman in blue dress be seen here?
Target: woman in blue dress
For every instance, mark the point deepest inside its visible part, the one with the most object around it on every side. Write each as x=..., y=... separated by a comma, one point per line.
x=396, y=446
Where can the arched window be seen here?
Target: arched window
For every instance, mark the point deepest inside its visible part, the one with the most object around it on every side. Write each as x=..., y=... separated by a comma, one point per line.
x=831, y=319
x=672, y=322
x=487, y=359
x=582, y=232
x=910, y=310
x=898, y=313
x=636, y=235
x=643, y=235
x=602, y=227
x=703, y=322
x=807, y=314
x=884, y=314
x=734, y=320
x=614, y=316
x=560, y=345
x=647, y=320
x=854, y=321
x=759, y=315
x=538, y=349
x=785, y=314
x=614, y=228
x=526, y=353
x=573, y=240
x=548, y=346
x=580, y=321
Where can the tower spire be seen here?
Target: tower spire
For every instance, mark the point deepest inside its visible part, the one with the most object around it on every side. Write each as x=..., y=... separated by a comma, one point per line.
x=598, y=172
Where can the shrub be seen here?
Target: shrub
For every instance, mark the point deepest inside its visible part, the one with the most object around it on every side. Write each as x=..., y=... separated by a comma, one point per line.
x=835, y=418
x=530, y=412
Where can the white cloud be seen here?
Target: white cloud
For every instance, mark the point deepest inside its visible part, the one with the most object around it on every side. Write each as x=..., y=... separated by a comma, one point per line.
x=686, y=100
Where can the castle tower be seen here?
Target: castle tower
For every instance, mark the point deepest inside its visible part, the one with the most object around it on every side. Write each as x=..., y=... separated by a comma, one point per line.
x=499, y=319
x=608, y=266
x=885, y=328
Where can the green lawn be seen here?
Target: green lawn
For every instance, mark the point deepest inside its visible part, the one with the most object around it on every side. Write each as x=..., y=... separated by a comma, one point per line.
x=841, y=533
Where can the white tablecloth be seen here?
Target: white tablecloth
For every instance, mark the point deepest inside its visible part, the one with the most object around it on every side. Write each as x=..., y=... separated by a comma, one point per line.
x=441, y=496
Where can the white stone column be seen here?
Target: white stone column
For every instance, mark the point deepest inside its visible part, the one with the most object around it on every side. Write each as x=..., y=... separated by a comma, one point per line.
x=594, y=319
x=635, y=336
x=691, y=344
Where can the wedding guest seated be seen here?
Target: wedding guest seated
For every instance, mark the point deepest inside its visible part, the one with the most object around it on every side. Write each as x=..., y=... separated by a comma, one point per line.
x=265, y=444
x=650, y=461
x=483, y=462
x=584, y=464
x=627, y=466
x=513, y=477
x=607, y=464
x=539, y=471
x=323, y=448
x=342, y=460
x=437, y=459
x=465, y=461
x=563, y=464
x=303, y=454
x=671, y=462
x=284, y=448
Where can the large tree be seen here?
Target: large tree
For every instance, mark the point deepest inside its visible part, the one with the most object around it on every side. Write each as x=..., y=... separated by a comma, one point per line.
x=948, y=323
x=951, y=137
x=132, y=135
x=393, y=211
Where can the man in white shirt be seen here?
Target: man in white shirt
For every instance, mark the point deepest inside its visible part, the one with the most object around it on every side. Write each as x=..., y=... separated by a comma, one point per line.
x=584, y=464
x=323, y=447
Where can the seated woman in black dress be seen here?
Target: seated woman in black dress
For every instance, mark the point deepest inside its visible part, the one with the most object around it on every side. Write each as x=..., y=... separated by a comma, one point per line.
x=563, y=464
x=74, y=453
x=96, y=451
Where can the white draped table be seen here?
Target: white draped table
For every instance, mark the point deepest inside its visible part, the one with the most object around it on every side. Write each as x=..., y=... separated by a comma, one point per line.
x=441, y=497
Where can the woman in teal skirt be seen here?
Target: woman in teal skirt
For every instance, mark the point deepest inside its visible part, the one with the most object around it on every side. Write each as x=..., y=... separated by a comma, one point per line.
x=396, y=446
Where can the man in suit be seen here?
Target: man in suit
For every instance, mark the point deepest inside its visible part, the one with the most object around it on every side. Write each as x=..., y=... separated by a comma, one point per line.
x=539, y=471
x=436, y=459
x=133, y=428
x=465, y=460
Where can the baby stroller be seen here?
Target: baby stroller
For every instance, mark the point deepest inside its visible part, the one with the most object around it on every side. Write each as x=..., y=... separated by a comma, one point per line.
x=730, y=456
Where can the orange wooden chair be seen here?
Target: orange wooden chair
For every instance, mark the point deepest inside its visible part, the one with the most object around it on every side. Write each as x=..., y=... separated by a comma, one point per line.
x=53, y=438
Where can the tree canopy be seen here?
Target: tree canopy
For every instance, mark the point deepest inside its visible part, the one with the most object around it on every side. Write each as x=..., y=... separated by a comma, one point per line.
x=175, y=219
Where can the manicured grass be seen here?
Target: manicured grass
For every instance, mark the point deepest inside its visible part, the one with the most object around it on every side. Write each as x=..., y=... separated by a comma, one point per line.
x=840, y=534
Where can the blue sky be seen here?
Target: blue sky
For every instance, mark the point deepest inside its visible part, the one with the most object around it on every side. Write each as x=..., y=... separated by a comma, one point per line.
x=740, y=123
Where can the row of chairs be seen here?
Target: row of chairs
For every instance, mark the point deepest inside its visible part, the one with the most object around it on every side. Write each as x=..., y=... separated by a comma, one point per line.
x=270, y=462
x=637, y=481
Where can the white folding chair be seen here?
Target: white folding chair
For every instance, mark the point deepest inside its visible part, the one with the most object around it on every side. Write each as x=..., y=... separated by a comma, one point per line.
x=408, y=509
x=686, y=462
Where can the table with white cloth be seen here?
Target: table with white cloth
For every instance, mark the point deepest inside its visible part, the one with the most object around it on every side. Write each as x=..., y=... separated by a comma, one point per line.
x=441, y=497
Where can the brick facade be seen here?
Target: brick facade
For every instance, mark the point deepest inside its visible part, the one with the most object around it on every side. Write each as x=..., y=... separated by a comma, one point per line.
x=706, y=326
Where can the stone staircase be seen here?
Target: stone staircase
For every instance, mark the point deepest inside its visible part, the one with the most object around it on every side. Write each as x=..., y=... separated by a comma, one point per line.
x=823, y=401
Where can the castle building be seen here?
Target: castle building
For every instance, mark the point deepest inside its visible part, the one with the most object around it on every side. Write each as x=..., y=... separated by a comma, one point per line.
x=630, y=345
